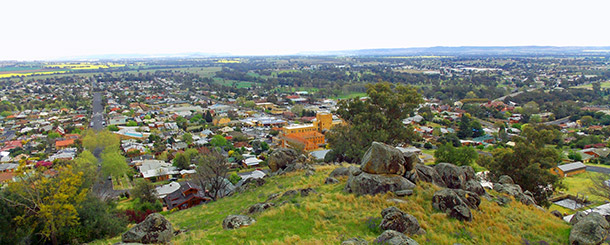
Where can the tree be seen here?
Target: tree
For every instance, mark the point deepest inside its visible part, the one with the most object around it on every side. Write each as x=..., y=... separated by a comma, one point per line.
x=208, y=117
x=465, y=127
x=49, y=203
x=219, y=141
x=181, y=161
x=379, y=118
x=212, y=174
x=528, y=163
x=187, y=138
x=145, y=191
x=461, y=156
x=114, y=164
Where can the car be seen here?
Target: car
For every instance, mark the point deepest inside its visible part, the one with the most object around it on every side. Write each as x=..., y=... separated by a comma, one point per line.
x=173, y=179
x=109, y=177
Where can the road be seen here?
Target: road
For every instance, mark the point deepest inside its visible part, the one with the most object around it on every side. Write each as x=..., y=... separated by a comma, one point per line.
x=598, y=169
x=558, y=121
x=98, y=112
x=103, y=187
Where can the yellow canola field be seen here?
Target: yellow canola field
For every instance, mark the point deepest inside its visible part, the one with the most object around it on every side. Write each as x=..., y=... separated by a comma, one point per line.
x=30, y=74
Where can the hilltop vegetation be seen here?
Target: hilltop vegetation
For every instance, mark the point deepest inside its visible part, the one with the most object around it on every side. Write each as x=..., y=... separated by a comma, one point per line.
x=331, y=216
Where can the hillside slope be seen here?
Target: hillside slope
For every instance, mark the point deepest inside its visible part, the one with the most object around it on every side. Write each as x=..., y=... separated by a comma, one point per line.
x=331, y=216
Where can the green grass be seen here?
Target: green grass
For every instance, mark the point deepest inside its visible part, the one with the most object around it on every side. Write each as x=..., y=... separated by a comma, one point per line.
x=351, y=95
x=332, y=216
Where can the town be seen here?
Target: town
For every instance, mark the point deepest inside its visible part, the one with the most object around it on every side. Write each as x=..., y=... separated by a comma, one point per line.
x=170, y=135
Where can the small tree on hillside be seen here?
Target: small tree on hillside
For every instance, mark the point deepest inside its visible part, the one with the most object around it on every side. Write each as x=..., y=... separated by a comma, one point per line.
x=212, y=174
x=145, y=191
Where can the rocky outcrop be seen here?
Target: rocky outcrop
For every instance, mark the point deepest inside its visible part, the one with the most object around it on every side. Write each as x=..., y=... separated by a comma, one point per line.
x=248, y=184
x=454, y=177
x=281, y=158
x=448, y=201
x=591, y=229
x=557, y=214
x=383, y=159
x=237, y=221
x=355, y=241
x=396, y=219
x=154, y=229
x=305, y=192
x=505, y=186
x=371, y=184
x=259, y=207
x=577, y=217
x=429, y=174
x=395, y=238
x=338, y=172
x=330, y=181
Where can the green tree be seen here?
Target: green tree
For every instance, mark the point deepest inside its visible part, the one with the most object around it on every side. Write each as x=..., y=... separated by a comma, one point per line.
x=187, y=138
x=461, y=156
x=219, y=141
x=131, y=124
x=379, y=118
x=528, y=163
x=114, y=164
x=181, y=161
x=145, y=191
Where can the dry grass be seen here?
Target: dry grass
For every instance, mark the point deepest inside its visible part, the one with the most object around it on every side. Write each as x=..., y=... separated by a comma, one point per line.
x=332, y=216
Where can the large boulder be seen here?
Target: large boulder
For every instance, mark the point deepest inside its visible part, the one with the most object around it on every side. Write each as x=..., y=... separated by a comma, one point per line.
x=394, y=238
x=411, y=160
x=371, y=184
x=281, y=158
x=259, y=207
x=154, y=229
x=474, y=186
x=337, y=172
x=396, y=219
x=592, y=229
x=505, y=179
x=429, y=174
x=383, y=159
x=515, y=191
x=448, y=201
x=237, y=221
x=471, y=199
x=461, y=213
x=577, y=217
x=445, y=199
x=454, y=177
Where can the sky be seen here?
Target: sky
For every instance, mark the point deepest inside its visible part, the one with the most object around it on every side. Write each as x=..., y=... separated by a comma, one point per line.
x=42, y=29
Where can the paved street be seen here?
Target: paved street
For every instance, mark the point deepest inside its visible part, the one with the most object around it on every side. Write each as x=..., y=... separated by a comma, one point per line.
x=98, y=112
x=598, y=169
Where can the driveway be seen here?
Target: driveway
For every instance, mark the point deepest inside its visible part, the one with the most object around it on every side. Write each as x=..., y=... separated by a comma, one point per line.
x=598, y=169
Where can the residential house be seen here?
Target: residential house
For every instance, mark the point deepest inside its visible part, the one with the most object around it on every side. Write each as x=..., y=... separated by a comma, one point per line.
x=569, y=169
x=187, y=196
x=157, y=169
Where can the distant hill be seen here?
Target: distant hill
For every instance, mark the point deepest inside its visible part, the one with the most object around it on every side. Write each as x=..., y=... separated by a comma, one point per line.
x=471, y=50
x=331, y=216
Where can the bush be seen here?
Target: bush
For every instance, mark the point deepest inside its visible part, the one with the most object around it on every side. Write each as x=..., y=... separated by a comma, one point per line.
x=234, y=178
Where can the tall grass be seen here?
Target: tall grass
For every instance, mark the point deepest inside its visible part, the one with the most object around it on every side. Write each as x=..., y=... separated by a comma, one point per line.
x=332, y=216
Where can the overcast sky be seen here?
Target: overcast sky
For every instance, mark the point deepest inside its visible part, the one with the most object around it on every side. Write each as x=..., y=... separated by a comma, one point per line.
x=60, y=28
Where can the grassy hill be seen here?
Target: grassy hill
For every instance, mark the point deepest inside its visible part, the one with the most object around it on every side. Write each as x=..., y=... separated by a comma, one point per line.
x=331, y=216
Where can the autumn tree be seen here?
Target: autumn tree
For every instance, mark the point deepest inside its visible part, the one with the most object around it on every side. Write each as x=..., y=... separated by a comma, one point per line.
x=49, y=203
x=379, y=118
